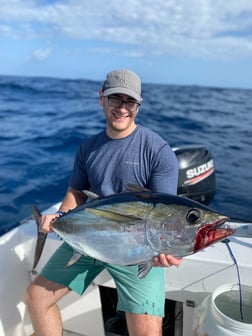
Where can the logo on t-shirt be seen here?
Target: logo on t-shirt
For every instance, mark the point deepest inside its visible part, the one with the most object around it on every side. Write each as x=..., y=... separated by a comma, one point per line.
x=132, y=163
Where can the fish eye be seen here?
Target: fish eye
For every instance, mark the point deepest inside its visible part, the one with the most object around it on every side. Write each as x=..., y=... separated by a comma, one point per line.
x=193, y=216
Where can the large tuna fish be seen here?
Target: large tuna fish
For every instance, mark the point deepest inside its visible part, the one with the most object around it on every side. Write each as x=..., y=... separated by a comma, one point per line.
x=131, y=227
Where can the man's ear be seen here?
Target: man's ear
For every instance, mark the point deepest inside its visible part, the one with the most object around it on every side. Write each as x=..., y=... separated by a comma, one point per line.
x=101, y=97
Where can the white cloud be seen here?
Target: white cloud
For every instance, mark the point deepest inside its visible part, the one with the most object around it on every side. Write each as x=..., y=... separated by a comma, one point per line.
x=206, y=29
x=41, y=54
x=7, y=31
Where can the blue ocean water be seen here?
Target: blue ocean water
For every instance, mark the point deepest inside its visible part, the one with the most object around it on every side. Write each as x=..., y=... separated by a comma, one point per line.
x=43, y=120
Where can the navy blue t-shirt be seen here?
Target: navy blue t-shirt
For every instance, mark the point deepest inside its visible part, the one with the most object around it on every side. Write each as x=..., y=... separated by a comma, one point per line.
x=106, y=166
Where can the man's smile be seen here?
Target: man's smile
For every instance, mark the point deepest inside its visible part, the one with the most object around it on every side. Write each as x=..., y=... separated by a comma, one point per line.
x=120, y=116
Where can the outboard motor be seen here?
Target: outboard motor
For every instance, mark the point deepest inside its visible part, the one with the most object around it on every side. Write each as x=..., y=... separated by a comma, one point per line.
x=196, y=173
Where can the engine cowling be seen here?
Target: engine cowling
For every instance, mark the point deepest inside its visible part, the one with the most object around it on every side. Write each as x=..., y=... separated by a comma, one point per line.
x=196, y=173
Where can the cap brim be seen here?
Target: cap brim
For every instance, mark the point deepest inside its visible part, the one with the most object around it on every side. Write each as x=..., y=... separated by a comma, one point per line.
x=123, y=90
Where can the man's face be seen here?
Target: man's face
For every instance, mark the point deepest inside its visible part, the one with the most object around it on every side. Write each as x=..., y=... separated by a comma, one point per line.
x=120, y=112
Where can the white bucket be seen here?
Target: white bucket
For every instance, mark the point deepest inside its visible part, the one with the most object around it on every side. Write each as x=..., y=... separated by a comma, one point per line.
x=219, y=314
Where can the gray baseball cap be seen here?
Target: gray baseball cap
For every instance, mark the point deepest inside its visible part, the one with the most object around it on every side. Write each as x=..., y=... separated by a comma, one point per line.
x=123, y=81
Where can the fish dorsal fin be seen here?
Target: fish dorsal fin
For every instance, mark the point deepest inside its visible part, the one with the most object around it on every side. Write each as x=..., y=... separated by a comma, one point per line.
x=136, y=188
x=114, y=216
x=75, y=257
x=142, y=192
x=90, y=194
x=144, y=268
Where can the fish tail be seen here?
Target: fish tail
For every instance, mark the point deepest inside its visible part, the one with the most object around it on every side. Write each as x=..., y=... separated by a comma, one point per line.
x=41, y=238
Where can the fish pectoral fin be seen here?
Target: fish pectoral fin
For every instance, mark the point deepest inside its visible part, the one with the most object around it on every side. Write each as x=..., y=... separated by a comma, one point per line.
x=75, y=257
x=144, y=268
x=114, y=216
x=90, y=194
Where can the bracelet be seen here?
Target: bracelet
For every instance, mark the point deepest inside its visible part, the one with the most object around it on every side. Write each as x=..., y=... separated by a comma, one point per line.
x=60, y=213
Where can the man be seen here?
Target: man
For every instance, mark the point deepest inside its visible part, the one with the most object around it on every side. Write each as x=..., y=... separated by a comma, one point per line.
x=125, y=153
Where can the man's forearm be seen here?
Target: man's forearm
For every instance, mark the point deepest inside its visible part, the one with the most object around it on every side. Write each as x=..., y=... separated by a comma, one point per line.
x=72, y=199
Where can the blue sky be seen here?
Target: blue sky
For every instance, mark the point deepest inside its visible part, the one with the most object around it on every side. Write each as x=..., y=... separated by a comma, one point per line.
x=195, y=42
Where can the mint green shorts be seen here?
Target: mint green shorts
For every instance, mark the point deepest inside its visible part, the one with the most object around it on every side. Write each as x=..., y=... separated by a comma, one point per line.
x=140, y=296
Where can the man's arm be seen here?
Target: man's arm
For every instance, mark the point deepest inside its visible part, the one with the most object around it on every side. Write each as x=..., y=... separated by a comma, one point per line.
x=72, y=199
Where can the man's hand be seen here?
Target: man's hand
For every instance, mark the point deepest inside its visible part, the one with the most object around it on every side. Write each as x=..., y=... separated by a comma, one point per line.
x=45, y=222
x=166, y=260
